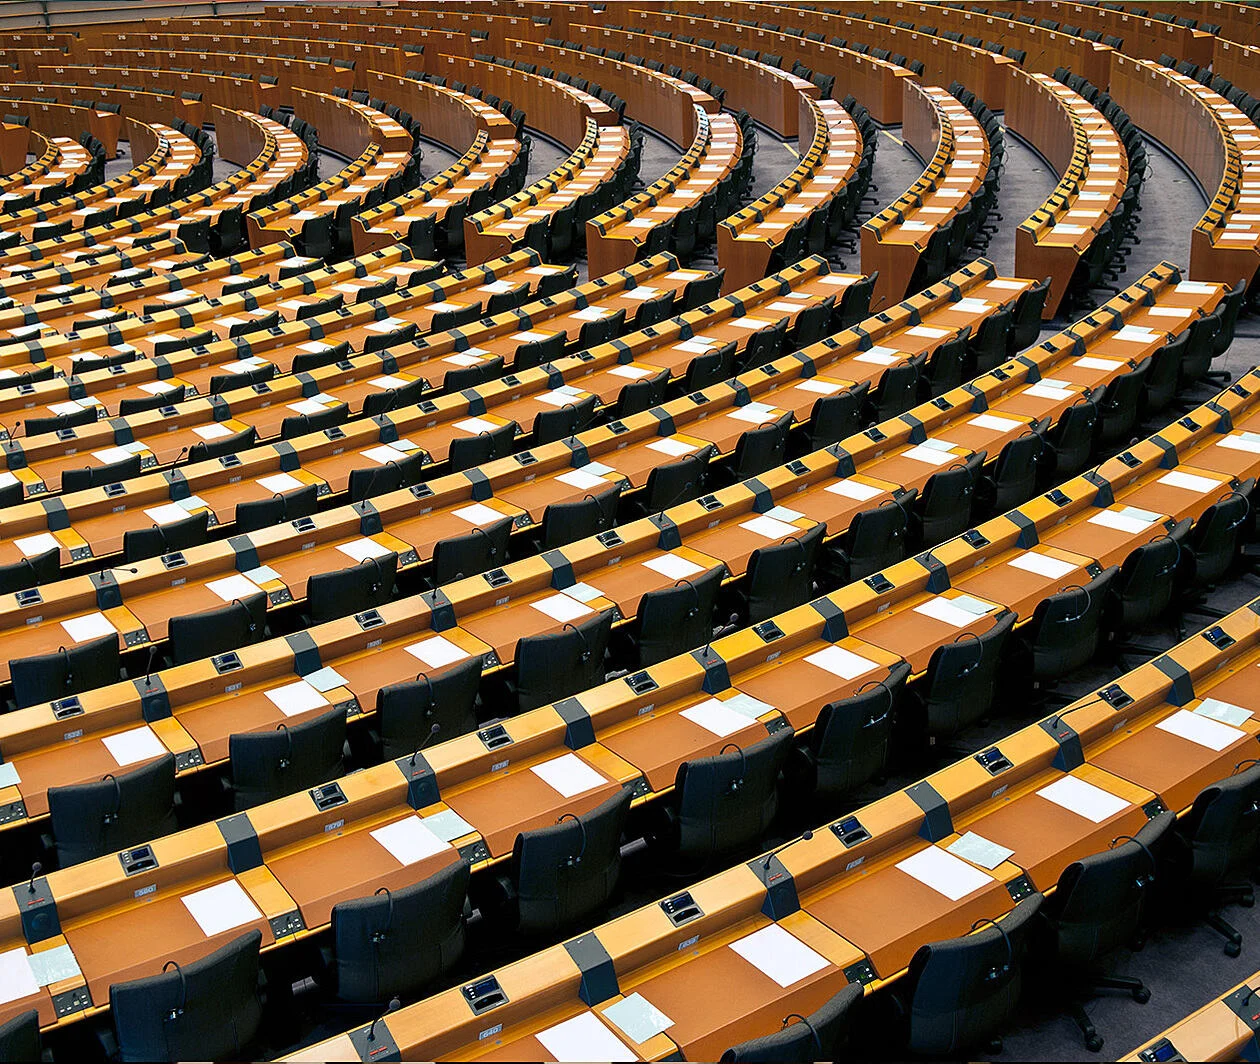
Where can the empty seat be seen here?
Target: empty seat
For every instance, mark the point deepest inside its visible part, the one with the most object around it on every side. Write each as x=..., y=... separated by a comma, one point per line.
x=201, y=635
x=359, y=587
x=66, y=671
x=266, y=765
x=555, y=665
x=407, y=712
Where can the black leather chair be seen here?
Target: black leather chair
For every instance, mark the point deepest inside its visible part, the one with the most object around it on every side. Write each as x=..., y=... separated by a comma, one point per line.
x=1066, y=628
x=1098, y=906
x=343, y=592
x=676, y=619
x=139, y=543
x=30, y=572
x=567, y=522
x=66, y=671
x=406, y=712
x=122, y=809
x=485, y=547
x=270, y=764
x=875, y=539
x=819, y=1036
x=206, y=1010
x=960, y=682
x=20, y=1039
x=214, y=632
x=468, y=451
x=282, y=506
x=959, y=992
x=1213, y=853
x=728, y=800
x=556, y=665
x=399, y=941
x=848, y=745
x=781, y=576
x=568, y=870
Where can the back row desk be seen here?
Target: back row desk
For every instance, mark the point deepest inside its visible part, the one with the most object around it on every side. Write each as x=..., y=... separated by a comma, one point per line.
x=1046, y=49
x=940, y=129
x=1238, y=21
x=62, y=164
x=1143, y=37
x=117, y=946
x=127, y=68
x=1219, y=143
x=862, y=900
x=139, y=105
x=1084, y=149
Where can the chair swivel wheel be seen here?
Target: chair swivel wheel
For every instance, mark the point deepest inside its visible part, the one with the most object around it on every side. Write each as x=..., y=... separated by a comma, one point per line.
x=1141, y=995
x=1093, y=1042
x=1233, y=949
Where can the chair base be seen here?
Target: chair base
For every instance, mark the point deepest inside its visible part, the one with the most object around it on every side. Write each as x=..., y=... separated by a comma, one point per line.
x=1241, y=894
x=1134, y=987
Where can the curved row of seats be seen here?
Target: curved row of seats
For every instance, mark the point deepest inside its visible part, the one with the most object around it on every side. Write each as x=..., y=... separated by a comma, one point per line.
x=1093, y=167
x=63, y=165
x=877, y=634
x=858, y=896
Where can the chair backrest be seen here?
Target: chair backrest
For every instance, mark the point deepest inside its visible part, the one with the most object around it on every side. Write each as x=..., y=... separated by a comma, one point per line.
x=30, y=572
x=206, y=1010
x=107, y=815
x=407, y=711
x=66, y=671
x=150, y=542
x=1097, y=904
x=849, y=742
x=394, y=398
x=204, y=450
x=1120, y=405
x=468, y=451
x=19, y=1037
x=819, y=1036
x=100, y=475
x=566, y=522
x=1144, y=587
x=485, y=547
x=945, y=505
x=270, y=764
x=717, y=364
x=729, y=799
x=1215, y=537
x=1026, y=318
x=1065, y=628
x=1223, y=830
x=963, y=989
x=558, y=664
x=962, y=678
x=676, y=619
x=673, y=482
x=564, y=421
x=569, y=869
x=377, y=480
x=782, y=576
x=398, y=941
x=282, y=506
x=878, y=537
x=1073, y=438
x=360, y=587
x=1015, y=472
x=837, y=417
x=762, y=448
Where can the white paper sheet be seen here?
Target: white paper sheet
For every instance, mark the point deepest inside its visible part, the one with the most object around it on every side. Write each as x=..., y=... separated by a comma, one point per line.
x=475, y=425
x=672, y=567
x=995, y=423
x=853, y=489
x=569, y=775
x=479, y=514
x=561, y=608
x=1042, y=565
x=280, y=483
x=9, y=776
x=944, y=873
x=979, y=850
x=713, y=716
x=840, y=662
x=670, y=446
x=637, y=1018
x=221, y=908
x=943, y=610
x=1083, y=799
x=770, y=528
x=436, y=652
x=32, y=546
x=297, y=697
x=89, y=626
x=929, y=455
x=780, y=955
x=1189, y=482
x=585, y=1037
x=361, y=549
x=325, y=679
x=16, y=978
x=583, y=481
x=232, y=587
x=408, y=840
x=1201, y=730
x=1119, y=521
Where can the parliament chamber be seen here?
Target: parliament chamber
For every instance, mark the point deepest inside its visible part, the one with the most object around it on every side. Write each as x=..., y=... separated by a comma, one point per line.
x=724, y=530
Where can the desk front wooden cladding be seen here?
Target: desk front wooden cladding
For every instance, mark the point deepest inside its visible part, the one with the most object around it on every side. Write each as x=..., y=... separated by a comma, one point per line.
x=1224, y=1029
x=1093, y=166
x=940, y=129
x=1222, y=147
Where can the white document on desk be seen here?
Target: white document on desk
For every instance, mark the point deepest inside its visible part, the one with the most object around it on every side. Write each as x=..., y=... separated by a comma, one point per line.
x=1083, y=799
x=568, y=775
x=585, y=1037
x=1042, y=565
x=408, y=840
x=779, y=955
x=137, y=744
x=1201, y=730
x=713, y=716
x=672, y=567
x=221, y=908
x=944, y=873
x=16, y=978
x=840, y=662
